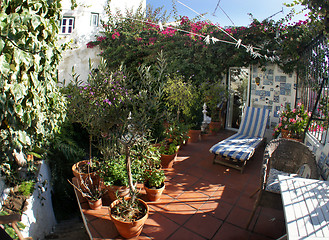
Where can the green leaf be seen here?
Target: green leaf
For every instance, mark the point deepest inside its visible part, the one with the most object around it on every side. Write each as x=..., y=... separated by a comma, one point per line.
x=2, y=45
x=4, y=65
x=36, y=21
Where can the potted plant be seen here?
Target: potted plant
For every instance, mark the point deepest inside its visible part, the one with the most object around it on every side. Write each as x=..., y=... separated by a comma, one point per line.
x=97, y=105
x=292, y=122
x=177, y=132
x=215, y=97
x=154, y=184
x=168, y=151
x=194, y=117
x=91, y=191
x=115, y=177
x=129, y=214
x=178, y=94
x=129, y=223
x=87, y=169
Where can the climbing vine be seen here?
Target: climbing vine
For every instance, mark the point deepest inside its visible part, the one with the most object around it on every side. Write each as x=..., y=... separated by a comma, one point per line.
x=31, y=105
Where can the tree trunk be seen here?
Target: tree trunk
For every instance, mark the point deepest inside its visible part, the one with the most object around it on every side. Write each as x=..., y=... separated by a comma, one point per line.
x=130, y=179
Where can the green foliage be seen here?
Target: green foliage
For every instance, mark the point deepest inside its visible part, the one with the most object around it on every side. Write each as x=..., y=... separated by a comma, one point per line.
x=178, y=94
x=26, y=188
x=69, y=146
x=114, y=172
x=133, y=43
x=167, y=148
x=9, y=229
x=155, y=178
x=319, y=12
x=31, y=105
x=99, y=104
x=215, y=94
x=177, y=132
x=293, y=120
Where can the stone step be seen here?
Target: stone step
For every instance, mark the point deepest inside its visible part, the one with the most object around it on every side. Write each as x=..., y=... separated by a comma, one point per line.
x=72, y=229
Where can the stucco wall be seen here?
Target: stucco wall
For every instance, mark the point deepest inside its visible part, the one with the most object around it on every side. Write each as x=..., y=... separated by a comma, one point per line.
x=78, y=54
x=39, y=216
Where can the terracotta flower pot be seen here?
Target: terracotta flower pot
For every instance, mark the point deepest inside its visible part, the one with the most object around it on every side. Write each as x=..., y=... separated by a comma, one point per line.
x=167, y=161
x=194, y=135
x=129, y=229
x=95, y=204
x=120, y=191
x=84, y=176
x=154, y=194
x=214, y=127
x=285, y=133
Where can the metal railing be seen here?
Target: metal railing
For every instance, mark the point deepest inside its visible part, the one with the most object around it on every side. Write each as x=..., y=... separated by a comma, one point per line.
x=313, y=86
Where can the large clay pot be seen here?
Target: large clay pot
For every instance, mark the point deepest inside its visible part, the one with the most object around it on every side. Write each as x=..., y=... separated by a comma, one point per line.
x=214, y=127
x=194, y=136
x=95, y=204
x=129, y=229
x=167, y=161
x=120, y=191
x=84, y=176
x=154, y=194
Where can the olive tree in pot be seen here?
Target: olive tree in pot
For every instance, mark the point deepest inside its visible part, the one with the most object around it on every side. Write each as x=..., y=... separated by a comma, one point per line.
x=98, y=105
x=130, y=214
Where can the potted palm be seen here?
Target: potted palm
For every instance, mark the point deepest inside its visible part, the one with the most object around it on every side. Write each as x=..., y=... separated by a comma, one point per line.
x=154, y=183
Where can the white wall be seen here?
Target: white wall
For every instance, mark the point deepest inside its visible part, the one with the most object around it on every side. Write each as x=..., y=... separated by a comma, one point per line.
x=275, y=89
x=78, y=54
x=39, y=217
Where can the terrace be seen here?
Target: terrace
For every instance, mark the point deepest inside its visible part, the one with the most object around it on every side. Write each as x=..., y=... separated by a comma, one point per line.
x=172, y=74
x=201, y=200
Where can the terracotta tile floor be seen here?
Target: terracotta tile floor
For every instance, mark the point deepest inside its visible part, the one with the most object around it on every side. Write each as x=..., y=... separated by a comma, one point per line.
x=202, y=200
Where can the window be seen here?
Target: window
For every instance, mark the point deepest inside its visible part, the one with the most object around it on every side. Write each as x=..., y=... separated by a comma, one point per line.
x=67, y=25
x=94, y=19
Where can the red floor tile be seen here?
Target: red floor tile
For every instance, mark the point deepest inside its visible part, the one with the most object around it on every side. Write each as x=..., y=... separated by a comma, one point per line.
x=231, y=232
x=216, y=208
x=269, y=225
x=239, y=217
x=185, y=234
x=178, y=212
x=203, y=224
x=193, y=198
x=159, y=227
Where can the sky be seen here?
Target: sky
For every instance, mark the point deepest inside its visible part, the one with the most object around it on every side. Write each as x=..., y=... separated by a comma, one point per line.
x=236, y=11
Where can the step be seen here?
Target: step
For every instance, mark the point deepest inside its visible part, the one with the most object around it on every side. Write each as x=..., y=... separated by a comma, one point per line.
x=72, y=229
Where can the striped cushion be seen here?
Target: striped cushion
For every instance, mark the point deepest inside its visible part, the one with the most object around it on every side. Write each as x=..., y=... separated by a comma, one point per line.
x=241, y=146
x=254, y=122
